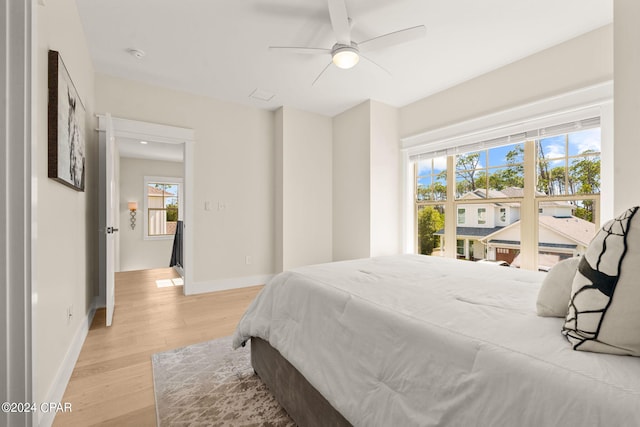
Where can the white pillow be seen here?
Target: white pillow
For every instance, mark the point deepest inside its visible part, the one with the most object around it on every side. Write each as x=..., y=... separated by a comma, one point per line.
x=555, y=292
x=604, y=311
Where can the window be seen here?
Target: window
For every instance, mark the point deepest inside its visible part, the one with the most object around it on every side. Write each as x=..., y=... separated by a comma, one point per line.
x=431, y=179
x=431, y=192
x=163, y=206
x=490, y=178
x=568, y=184
x=430, y=229
x=485, y=171
x=503, y=215
x=569, y=164
x=489, y=183
x=461, y=215
x=482, y=215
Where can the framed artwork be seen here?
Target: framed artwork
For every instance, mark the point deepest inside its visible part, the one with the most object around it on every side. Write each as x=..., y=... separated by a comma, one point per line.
x=66, y=127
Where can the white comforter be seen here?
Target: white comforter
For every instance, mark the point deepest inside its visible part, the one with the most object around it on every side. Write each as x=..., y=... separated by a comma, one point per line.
x=413, y=340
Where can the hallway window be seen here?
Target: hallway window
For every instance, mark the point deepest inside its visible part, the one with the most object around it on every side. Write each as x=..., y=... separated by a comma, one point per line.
x=162, y=206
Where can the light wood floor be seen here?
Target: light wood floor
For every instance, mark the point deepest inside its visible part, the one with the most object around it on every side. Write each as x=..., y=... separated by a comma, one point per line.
x=112, y=382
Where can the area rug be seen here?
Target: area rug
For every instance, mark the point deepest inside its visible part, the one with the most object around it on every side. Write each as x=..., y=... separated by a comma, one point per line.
x=209, y=384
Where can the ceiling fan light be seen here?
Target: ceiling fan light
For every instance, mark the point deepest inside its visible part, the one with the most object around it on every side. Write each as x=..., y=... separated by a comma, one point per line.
x=345, y=58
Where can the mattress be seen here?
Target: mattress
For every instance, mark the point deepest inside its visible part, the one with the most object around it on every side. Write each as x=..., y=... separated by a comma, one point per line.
x=415, y=340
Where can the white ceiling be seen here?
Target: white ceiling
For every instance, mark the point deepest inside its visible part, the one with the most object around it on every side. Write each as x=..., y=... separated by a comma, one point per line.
x=152, y=150
x=219, y=48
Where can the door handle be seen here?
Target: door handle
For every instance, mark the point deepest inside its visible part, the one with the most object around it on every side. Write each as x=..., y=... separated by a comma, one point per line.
x=111, y=230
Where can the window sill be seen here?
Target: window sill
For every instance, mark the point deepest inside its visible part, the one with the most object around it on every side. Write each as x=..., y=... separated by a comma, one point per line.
x=151, y=238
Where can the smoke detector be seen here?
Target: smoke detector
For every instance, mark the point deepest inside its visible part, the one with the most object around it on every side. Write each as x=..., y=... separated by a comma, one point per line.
x=136, y=53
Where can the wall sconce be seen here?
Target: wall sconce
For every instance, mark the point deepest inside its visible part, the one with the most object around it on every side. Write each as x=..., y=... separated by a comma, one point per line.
x=133, y=207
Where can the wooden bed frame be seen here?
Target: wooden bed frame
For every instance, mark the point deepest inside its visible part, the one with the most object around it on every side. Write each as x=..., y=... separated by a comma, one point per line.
x=304, y=404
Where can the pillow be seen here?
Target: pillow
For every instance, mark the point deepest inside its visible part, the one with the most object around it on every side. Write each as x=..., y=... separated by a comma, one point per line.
x=604, y=310
x=555, y=292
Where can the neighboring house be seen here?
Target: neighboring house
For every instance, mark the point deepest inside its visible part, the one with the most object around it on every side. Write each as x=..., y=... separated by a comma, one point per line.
x=158, y=224
x=492, y=230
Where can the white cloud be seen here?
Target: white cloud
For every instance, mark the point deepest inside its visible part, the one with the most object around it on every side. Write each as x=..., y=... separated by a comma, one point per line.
x=554, y=151
x=586, y=140
x=440, y=163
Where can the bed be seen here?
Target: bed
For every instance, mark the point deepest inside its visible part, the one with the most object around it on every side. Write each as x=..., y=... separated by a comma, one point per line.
x=428, y=341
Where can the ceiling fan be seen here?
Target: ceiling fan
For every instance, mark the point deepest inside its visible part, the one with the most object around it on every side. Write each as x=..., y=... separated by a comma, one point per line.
x=346, y=53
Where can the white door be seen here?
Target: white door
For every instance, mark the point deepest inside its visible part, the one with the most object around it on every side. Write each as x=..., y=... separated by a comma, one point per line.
x=109, y=206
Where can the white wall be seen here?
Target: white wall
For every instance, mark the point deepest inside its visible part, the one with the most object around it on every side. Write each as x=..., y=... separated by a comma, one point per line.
x=626, y=105
x=135, y=252
x=577, y=63
x=279, y=185
x=18, y=151
x=385, y=181
x=366, y=182
x=584, y=61
x=351, y=185
x=471, y=216
x=304, y=185
x=550, y=236
x=233, y=165
x=66, y=235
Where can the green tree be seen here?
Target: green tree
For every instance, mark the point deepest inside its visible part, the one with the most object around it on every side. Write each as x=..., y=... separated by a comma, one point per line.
x=585, y=175
x=430, y=220
x=435, y=191
x=544, y=176
x=422, y=193
x=556, y=183
x=513, y=174
x=585, y=211
x=466, y=168
x=172, y=212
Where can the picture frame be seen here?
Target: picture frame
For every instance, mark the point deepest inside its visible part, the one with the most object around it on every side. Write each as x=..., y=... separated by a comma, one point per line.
x=66, y=127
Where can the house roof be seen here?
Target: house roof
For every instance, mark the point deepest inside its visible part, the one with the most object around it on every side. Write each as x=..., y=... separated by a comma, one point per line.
x=511, y=192
x=471, y=231
x=541, y=244
x=490, y=194
x=157, y=192
x=575, y=228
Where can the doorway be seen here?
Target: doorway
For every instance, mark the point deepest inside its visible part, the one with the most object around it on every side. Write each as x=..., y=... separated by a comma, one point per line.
x=163, y=155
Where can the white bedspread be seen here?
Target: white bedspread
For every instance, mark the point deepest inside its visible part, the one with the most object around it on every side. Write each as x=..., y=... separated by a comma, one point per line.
x=414, y=340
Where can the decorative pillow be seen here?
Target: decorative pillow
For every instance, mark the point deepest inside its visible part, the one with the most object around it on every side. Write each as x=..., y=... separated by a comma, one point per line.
x=604, y=311
x=555, y=292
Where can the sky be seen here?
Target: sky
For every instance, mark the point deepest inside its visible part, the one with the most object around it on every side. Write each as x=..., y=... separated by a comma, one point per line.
x=554, y=148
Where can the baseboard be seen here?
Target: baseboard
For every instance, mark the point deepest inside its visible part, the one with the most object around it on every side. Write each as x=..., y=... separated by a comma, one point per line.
x=56, y=393
x=226, y=284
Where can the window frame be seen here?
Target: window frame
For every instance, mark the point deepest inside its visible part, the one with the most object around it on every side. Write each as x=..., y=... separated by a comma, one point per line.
x=580, y=104
x=148, y=180
x=482, y=219
x=462, y=213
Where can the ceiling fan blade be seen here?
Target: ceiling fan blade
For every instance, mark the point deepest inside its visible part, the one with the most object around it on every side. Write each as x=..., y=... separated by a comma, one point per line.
x=393, y=39
x=376, y=64
x=301, y=50
x=340, y=21
x=321, y=73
